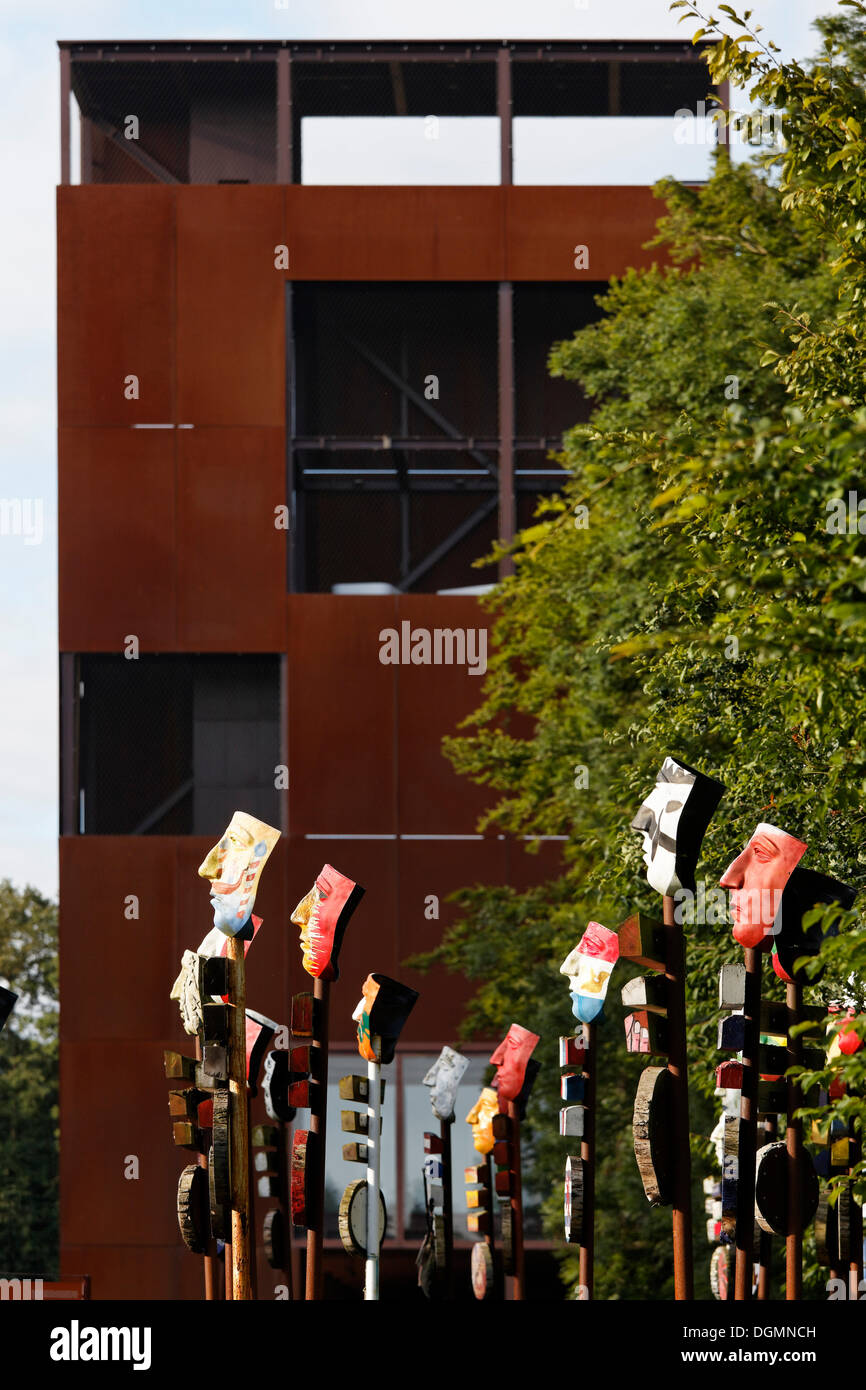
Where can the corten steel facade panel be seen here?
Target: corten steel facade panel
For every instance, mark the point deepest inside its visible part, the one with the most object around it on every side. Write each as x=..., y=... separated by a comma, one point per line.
x=115, y=304
x=117, y=538
x=115, y=966
x=231, y=556
x=546, y=224
x=432, y=701
x=341, y=706
x=381, y=233
x=230, y=328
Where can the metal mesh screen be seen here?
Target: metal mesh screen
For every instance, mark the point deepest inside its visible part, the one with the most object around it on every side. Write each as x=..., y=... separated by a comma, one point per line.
x=197, y=122
x=626, y=86
x=172, y=745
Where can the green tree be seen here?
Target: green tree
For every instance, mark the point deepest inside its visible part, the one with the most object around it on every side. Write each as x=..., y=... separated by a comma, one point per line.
x=28, y=1085
x=684, y=595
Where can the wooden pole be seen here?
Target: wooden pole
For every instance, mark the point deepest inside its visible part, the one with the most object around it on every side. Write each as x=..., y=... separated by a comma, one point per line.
x=519, y=1280
x=318, y=1126
x=855, y=1267
x=447, y=1204
x=498, y=1280
x=251, y=1186
x=209, y=1259
x=374, y=1131
x=286, y=1205
x=794, y=1143
x=240, y=1134
x=587, y=1154
x=747, y=1142
x=675, y=964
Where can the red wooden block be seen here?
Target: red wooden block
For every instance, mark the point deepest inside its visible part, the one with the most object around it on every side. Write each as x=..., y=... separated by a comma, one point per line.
x=729, y=1075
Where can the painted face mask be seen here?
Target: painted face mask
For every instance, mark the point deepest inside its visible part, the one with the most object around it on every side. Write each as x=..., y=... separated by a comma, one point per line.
x=511, y=1057
x=234, y=867
x=381, y=1012
x=589, y=968
x=323, y=916
x=443, y=1078
x=804, y=890
x=673, y=820
x=756, y=879
x=480, y=1117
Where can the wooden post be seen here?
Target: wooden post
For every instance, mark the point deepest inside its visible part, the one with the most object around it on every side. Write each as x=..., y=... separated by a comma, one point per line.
x=374, y=1145
x=316, y=1151
x=747, y=1143
x=240, y=1135
x=447, y=1204
x=210, y=1261
x=794, y=1143
x=765, y=1256
x=587, y=1154
x=855, y=1268
x=678, y=1068
x=251, y=1197
x=286, y=1205
x=519, y=1279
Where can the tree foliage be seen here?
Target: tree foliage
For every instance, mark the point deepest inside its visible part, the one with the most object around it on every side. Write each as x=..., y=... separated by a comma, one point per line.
x=686, y=593
x=28, y=1085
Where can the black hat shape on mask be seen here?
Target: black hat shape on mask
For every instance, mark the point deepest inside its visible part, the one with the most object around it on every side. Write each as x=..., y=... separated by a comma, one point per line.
x=700, y=796
x=391, y=1007
x=8, y=1000
x=805, y=889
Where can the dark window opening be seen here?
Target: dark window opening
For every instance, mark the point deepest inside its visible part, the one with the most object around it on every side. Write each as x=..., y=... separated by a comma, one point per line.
x=173, y=745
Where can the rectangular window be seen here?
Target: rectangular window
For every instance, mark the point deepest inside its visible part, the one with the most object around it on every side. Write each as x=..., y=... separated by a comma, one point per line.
x=173, y=745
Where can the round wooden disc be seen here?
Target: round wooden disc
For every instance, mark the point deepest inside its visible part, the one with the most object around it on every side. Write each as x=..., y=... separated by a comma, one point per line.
x=826, y=1231
x=771, y=1189
x=275, y=1239
x=573, y=1205
x=652, y=1131
x=193, y=1216
x=721, y=1267
x=482, y=1270
x=352, y=1218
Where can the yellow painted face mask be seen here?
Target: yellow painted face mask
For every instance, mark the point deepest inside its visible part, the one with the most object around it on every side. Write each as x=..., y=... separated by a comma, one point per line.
x=480, y=1117
x=234, y=867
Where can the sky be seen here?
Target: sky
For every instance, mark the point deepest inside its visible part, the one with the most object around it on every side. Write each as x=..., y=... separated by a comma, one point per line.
x=29, y=169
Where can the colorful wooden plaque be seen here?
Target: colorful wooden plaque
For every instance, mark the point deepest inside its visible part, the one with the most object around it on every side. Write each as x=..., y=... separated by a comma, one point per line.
x=642, y=941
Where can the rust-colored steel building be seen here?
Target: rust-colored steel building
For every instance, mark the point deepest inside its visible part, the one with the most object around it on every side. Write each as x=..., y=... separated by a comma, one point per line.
x=291, y=415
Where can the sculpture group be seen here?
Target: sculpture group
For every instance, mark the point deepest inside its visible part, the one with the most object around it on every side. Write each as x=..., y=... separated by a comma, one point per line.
x=768, y=1188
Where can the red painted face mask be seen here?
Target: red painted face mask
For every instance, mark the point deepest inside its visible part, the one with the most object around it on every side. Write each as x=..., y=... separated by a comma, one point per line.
x=511, y=1057
x=756, y=879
